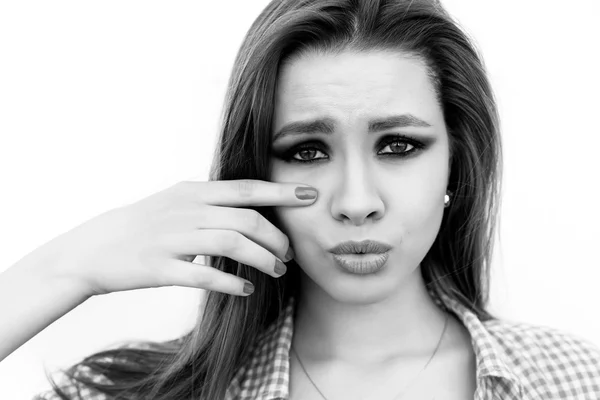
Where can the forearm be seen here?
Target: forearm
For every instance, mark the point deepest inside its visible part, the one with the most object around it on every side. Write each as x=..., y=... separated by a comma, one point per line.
x=29, y=303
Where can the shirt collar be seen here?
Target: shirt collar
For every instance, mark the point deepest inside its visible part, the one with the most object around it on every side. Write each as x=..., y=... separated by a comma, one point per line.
x=491, y=357
x=267, y=375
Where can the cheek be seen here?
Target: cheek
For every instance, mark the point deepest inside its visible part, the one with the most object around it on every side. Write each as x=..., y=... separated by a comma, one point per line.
x=421, y=221
x=422, y=188
x=425, y=214
x=296, y=222
x=418, y=202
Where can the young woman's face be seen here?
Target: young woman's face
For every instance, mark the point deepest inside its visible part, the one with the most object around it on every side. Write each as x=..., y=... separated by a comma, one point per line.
x=372, y=185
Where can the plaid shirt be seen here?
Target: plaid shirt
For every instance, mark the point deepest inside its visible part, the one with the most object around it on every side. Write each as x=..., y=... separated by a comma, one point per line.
x=514, y=361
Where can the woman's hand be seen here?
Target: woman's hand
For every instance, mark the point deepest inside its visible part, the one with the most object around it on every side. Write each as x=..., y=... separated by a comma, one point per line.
x=152, y=242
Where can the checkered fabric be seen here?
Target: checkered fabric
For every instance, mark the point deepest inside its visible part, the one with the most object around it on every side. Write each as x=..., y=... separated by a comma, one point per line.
x=514, y=361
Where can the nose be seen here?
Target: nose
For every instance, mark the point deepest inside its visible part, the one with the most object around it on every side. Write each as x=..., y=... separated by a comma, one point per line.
x=356, y=199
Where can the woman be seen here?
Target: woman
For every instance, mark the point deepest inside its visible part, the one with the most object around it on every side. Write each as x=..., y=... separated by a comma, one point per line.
x=385, y=108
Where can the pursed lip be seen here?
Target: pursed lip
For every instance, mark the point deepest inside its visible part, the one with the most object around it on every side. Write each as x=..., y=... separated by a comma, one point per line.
x=363, y=247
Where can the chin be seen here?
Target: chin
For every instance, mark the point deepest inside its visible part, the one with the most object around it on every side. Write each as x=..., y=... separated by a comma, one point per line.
x=361, y=298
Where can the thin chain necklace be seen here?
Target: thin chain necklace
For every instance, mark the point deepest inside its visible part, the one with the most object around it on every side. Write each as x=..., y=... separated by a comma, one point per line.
x=405, y=389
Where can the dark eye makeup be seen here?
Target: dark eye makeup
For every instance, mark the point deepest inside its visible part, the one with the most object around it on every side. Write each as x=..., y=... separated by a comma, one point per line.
x=316, y=145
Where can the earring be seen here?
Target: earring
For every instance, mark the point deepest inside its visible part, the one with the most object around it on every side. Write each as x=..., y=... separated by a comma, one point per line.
x=447, y=198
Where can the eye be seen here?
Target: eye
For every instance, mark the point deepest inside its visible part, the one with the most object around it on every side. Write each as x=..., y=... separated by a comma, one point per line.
x=306, y=151
x=397, y=144
x=399, y=147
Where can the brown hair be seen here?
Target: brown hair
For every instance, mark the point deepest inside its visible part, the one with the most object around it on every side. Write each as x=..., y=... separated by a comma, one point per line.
x=203, y=362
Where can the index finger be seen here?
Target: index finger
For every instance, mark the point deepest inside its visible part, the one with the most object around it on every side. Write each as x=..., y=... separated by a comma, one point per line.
x=254, y=192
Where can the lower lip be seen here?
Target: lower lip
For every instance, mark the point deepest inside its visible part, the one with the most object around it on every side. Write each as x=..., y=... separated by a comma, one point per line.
x=361, y=264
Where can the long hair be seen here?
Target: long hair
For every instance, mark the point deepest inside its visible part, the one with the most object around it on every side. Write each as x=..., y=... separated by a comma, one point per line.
x=202, y=363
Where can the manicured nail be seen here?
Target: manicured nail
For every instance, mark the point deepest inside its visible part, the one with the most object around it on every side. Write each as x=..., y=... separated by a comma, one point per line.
x=248, y=288
x=290, y=254
x=280, y=267
x=306, y=193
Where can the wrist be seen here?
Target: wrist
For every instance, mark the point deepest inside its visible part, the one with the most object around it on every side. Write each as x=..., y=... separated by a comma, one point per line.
x=35, y=270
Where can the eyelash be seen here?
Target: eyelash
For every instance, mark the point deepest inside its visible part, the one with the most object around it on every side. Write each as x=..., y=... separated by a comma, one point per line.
x=287, y=156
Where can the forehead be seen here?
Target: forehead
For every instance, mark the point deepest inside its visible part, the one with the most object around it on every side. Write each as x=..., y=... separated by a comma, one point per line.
x=354, y=85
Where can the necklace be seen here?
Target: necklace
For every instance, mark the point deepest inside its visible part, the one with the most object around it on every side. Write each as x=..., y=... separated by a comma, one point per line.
x=405, y=389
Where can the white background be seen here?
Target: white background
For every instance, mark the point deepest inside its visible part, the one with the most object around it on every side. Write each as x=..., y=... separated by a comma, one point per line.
x=104, y=103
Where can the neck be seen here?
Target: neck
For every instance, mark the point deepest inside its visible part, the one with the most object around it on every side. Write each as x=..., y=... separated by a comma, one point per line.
x=404, y=324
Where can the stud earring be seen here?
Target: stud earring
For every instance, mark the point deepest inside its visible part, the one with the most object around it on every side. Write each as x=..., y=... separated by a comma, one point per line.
x=447, y=198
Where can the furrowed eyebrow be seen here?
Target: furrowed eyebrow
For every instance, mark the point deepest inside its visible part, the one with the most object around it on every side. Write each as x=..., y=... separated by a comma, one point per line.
x=327, y=125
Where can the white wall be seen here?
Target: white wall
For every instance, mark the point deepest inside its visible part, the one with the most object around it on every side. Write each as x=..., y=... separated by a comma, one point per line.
x=104, y=103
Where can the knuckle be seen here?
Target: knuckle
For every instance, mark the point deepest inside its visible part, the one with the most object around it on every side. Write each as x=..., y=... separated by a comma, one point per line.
x=189, y=191
x=231, y=240
x=245, y=187
x=253, y=220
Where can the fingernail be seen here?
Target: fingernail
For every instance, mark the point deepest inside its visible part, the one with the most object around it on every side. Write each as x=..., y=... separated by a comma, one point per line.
x=290, y=254
x=306, y=193
x=280, y=267
x=248, y=288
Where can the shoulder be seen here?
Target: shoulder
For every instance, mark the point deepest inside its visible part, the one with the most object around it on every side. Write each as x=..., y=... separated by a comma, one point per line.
x=542, y=340
x=553, y=355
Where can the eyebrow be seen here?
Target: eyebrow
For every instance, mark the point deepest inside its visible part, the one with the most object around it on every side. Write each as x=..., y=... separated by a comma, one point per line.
x=327, y=125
